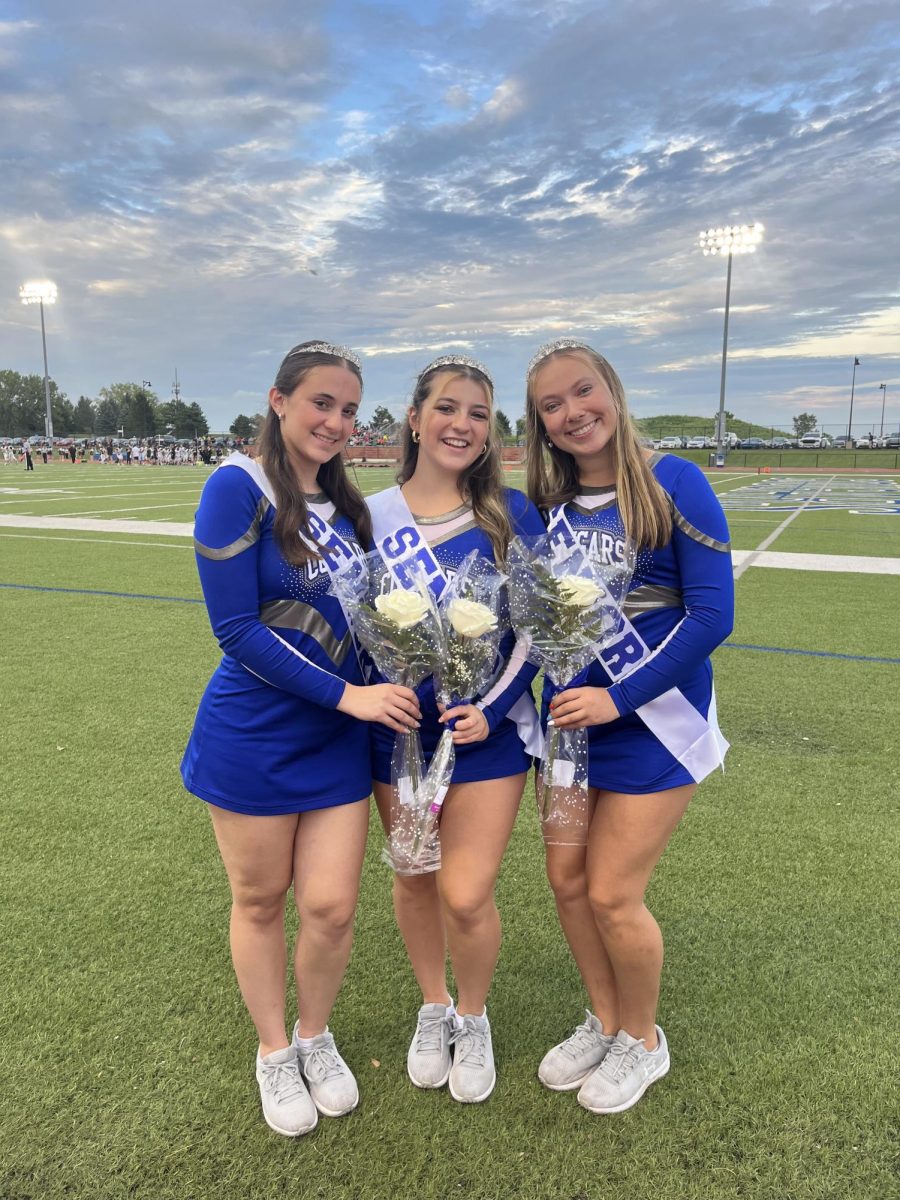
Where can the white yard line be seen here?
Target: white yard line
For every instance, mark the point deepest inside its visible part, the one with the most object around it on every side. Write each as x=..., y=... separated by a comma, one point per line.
x=94, y=512
x=83, y=524
x=50, y=537
x=74, y=496
x=854, y=564
x=767, y=541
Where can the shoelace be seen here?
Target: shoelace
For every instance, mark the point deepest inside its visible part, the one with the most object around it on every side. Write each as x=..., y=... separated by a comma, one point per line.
x=428, y=1034
x=322, y=1063
x=284, y=1081
x=584, y=1038
x=620, y=1059
x=470, y=1045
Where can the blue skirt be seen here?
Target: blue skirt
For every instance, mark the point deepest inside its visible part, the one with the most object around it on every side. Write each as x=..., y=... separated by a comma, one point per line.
x=624, y=756
x=500, y=755
x=259, y=750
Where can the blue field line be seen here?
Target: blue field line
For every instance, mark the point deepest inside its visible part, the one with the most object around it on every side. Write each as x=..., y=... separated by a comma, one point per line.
x=34, y=587
x=809, y=653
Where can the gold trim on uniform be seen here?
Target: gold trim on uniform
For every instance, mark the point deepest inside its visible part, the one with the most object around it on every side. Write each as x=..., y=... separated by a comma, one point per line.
x=219, y=554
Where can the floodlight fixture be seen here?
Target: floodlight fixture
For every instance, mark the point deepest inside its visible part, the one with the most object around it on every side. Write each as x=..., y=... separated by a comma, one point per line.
x=732, y=239
x=728, y=240
x=38, y=291
x=42, y=291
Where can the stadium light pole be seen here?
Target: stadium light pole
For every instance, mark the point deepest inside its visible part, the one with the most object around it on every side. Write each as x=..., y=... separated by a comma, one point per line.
x=856, y=363
x=729, y=240
x=883, y=389
x=42, y=291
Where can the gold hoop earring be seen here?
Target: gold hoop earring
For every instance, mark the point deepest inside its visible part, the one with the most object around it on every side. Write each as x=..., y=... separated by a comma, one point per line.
x=549, y=443
x=415, y=435
x=484, y=449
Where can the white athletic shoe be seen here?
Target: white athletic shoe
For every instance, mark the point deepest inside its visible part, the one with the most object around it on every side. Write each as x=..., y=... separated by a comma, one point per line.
x=472, y=1076
x=286, y=1104
x=428, y=1061
x=330, y=1081
x=568, y=1065
x=625, y=1074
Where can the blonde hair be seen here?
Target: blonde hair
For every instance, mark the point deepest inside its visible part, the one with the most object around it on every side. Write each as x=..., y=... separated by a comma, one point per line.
x=481, y=483
x=552, y=474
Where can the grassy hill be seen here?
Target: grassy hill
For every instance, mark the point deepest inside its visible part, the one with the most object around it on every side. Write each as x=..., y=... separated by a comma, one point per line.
x=673, y=424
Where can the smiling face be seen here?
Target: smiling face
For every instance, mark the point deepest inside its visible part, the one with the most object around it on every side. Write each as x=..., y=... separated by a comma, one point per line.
x=576, y=407
x=317, y=418
x=453, y=422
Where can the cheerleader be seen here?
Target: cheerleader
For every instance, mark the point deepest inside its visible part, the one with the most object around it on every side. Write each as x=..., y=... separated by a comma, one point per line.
x=652, y=729
x=450, y=501
x=279, y=750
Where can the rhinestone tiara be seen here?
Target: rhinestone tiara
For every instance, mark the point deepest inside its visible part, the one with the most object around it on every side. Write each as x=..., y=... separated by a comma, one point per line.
x=458, y=360
x=549, y=348
x=328, y=348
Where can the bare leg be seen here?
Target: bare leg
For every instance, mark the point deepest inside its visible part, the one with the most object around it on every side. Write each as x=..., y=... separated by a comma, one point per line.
x=417, y=907
x=567, y=873
x=475, y=829
x=628, y=835
x=328, y=856
x=257, y=853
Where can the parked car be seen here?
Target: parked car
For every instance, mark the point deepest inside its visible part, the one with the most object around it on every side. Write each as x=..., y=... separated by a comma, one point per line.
x=671, y=443
x=700, y=443
x=753, y=443
x=842, y=442
x=781, y=443
x=813, y=441
x=892, y=441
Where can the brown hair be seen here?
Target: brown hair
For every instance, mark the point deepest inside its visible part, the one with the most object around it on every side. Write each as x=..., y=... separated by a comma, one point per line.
x=553, y=474
x=481, y=483
x=291, y=512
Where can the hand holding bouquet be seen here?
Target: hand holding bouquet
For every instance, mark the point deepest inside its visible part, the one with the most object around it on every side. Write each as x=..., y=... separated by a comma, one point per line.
x=400, y=629
x=567, y=606
x=471, y=629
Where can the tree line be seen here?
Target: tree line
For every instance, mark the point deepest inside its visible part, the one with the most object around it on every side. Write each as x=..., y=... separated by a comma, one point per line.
x=131, y=407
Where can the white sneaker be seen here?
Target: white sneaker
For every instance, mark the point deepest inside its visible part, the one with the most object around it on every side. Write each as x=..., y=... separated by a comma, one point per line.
x=625, y=1074
x=568, y=1065
x=286, y=1104
x=472, y=1076
x=428, y=1061
x=330, y=1081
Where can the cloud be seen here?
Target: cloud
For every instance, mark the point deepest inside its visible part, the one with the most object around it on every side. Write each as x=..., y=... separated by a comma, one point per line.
x=479, y=176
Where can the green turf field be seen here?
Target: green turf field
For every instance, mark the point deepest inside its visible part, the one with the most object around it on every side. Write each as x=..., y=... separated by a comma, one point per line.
x=127, y=1058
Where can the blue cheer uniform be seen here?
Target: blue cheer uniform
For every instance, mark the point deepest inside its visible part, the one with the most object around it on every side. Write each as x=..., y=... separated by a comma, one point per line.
x=268, y=738
x=681, y=601
x=451, y=537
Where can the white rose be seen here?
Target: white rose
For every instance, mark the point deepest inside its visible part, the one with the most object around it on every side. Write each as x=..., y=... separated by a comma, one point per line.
x=404, y=608
x=579, y=592
x=469, y=618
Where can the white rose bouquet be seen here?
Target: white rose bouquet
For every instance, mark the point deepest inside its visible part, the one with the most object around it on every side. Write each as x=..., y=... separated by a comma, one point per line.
x=568, y=607
x=400, y=629
x=472, y=624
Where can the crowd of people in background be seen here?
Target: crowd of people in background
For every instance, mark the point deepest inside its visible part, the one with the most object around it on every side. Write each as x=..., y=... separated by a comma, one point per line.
x=146, y=452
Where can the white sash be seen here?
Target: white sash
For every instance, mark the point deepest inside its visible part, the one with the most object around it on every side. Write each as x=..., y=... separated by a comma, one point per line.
x=696, y=741
x=400, y=543
x=324, y=535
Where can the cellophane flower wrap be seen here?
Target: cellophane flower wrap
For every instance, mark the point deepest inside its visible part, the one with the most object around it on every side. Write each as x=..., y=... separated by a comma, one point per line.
x=568, y=607
x=400, y=629
x=472, y=625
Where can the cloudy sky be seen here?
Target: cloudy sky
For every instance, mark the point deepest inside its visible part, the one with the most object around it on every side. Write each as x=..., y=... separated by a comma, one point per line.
x=210, y=183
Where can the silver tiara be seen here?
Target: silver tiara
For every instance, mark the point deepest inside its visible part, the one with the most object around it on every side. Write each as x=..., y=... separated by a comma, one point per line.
x=328, y=348
x=458, y=360
x=549, y=348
